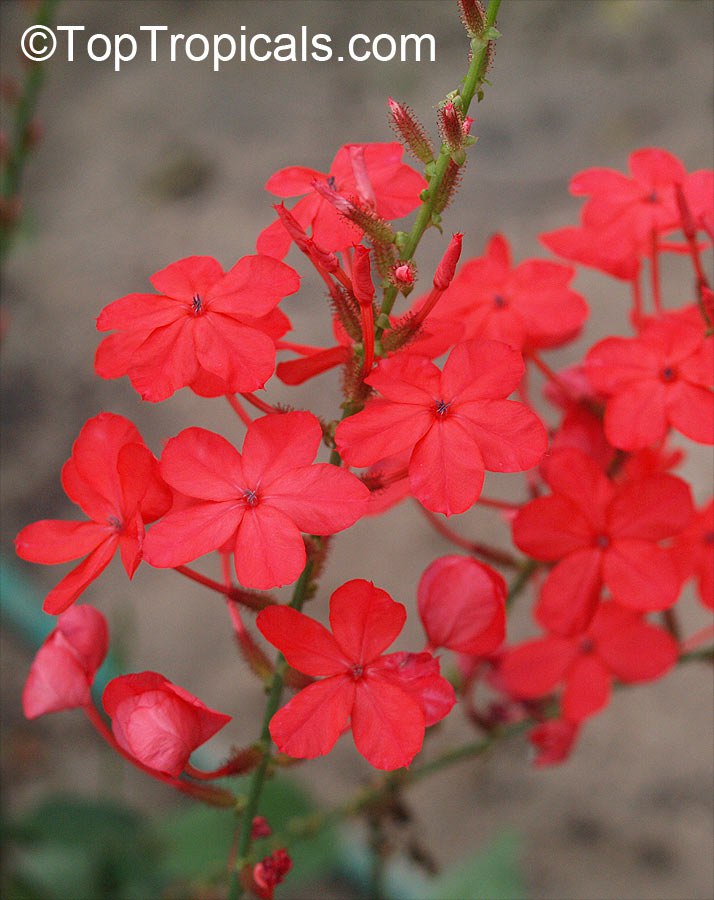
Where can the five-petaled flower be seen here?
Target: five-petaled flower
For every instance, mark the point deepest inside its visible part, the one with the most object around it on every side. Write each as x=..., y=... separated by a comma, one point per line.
x=257, y=502
x=456, y=423
x=207, y=329
x=373, y=174
x=600, y=533
x=114, y=478
x=388, y=700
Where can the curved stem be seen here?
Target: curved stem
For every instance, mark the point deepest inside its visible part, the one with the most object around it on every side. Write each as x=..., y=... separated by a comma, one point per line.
x=238, y=409
x=492, y=554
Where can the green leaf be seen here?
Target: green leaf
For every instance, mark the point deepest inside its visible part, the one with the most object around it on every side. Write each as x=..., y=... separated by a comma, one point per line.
x=493, y=874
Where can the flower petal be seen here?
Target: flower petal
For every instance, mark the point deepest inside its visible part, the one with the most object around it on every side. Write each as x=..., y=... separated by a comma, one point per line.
x=320, y=499
x=269, y=550
x=306, y=644
x=446, y=470
x=66, y=592
x=364, y=620
x=387, y=723
x=309, y=725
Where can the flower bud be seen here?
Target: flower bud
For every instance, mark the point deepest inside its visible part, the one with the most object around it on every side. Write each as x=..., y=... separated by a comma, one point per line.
x=473, y=17
x=447, y=267
x=451, y=126
x=411, y=131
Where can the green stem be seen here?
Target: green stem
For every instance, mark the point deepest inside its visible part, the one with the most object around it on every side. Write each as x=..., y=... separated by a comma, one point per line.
x=259, y=775
x=11, y=174
x=474, y=78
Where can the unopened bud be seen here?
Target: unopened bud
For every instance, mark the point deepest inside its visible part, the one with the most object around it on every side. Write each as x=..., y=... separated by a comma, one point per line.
x=403, y=276
x=446, y=269
x=451, y=126
x=260, y=828
x=473, y=17
x=362, y=276
x=411, y=131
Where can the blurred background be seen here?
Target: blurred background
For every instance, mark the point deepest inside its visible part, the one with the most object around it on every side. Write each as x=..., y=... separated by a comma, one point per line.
x=162, y=160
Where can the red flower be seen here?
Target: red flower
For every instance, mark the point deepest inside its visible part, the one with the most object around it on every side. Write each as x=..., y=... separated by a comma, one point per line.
x=265, y=876
x=601, y=532
x=660, y=379
x=258, y=502
x=456, y=423
x=206, y=329
x=374, y=174
x=613, y=251
x=619, y=644
x=462, y=605
x=553, y=741
x=113, y=477
x=528, y=306
x=643, y=205
x=63, y=670
x=388, y=700
x=694, y=553
x=157, y=722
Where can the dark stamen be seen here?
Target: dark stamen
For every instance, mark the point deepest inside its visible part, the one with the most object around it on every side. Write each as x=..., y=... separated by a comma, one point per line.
x=499, y=301
x=250, y=497
x=442, y=407
x=197, y=305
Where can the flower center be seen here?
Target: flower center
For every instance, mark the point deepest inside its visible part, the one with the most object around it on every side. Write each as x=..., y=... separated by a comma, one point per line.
x=331, y=182
x=668, y=374
x=500, y=302
x=250, y=497
x=602, y=541
x=357, y=672
x=652, y=197
x=116, y=523
x=442, y=407
x=197, y=305
x=587, y=645
x=709, y=537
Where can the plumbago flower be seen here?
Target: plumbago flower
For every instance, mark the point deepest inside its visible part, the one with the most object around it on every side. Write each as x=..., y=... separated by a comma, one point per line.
x=598, y=532
x=373, y=174
x=456, y=423
x=114, y=478
x=388, y=700
x=526, y=306
x=207, y=329
x=661, y=379
x=256, y=502
x=619, y=643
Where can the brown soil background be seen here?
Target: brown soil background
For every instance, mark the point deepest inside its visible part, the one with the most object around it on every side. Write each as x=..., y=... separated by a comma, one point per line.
x=161, y=161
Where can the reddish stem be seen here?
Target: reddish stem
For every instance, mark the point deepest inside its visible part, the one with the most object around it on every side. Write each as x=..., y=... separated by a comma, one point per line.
x=259, y=404
x=636, y=314
x=655, y=275
x=697, y=639
x=237, y=408
x=213, y=796
x=492, y=554
x=235, y=595
x=540, y=363
x=498, y=504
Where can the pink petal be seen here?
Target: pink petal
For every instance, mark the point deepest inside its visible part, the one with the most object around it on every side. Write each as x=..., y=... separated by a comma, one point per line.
x=550, y=528
x=309, y=725
x=641, y=575
x=187, y=533
x=201, y=464
x=56, y=541
x=188, y=277
x=320, y=499
x=364, y=620
x=387, y=724
x=292, y=181
x=165, y=362
x=382, y=429
x=651, y=508
x=57, y=681
x=690, y=409
x=140, y=313
x=269, y=550
x=278, y=443
x=419, y=675
x=636, y=417
x=576, y=476
x=445, y=471
x=241, y=356
x=72, y=585
x=306, y=644
x=481, y=370
x=587, y=689
x=254, y=286
x=638, y=651
x=510, y=437
x=569, y=597
x=534, y=668
x=407, y=378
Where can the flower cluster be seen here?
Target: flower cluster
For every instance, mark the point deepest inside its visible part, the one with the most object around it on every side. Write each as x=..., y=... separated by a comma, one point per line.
x=434, y=397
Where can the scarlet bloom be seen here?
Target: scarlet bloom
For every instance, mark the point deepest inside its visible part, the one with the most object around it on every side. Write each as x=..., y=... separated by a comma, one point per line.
x=599, y=532
x=553, y=741
x=658, y=380
x=618, y=643
x=206, y=329
x=694, y=553
x=526, y=306
x=269, y=873
x=456, y=423
x=114, y=478
x=462, y=605
x=387, y=700
x=373, y=174
x=63, y=670
x=256, y=502
x=157, y=722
